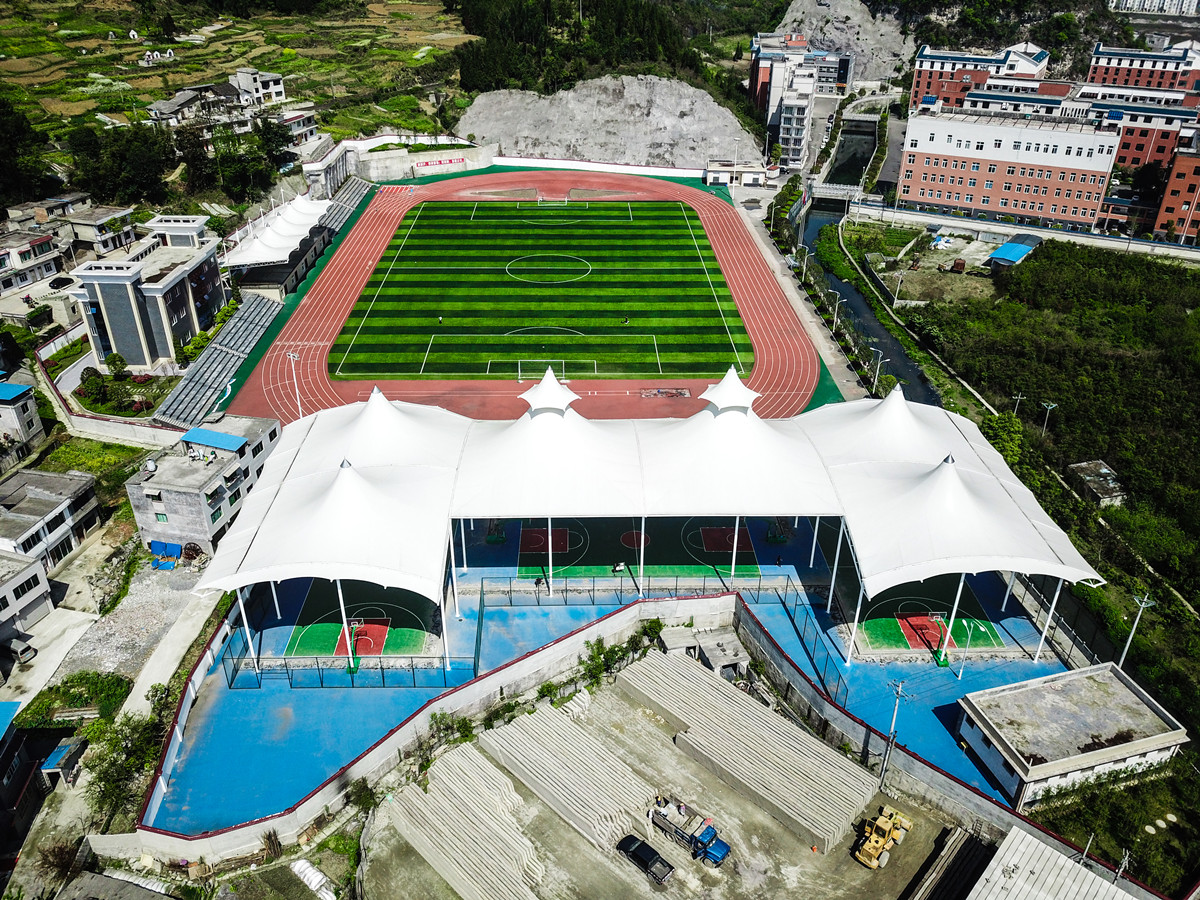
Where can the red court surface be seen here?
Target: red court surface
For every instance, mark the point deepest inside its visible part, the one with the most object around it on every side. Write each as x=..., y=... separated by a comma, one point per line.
x=369, y=638
x=533, y=540
x=786, y=366
x=719, y=539
x=923, y=632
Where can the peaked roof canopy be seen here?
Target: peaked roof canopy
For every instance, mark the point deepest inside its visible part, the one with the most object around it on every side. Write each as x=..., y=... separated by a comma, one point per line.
x=367, y=491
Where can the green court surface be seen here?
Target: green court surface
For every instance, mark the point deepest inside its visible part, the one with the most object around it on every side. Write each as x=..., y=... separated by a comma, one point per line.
x=901, y=619
x=676, y=547
x=506, y=289
x=406, y=617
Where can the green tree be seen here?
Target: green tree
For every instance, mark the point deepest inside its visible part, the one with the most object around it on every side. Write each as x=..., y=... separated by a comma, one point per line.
x=274, y=140
x=23, y=175
x=201, y=168
x=122, y=753
x=1006, y=434
x=117, y=366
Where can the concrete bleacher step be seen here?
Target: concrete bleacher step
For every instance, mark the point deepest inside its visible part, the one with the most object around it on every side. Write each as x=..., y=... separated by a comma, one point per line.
x=464, y=827
x=804, y=783
x=571, y=772
x=576, y=708
x=956, y=868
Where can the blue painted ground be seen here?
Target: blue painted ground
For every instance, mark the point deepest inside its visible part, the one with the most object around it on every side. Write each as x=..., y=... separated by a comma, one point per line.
x=249, y=752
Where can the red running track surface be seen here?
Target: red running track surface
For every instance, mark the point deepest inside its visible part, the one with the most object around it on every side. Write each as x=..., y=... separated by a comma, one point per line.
x=786, y=366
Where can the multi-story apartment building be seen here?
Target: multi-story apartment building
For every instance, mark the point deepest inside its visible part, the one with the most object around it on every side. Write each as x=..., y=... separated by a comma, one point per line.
x=1175, y=68
x=162, y=293
x=101, y=230
x=26, y=257
x=938, y=74
x=24, y=593
x=46, y=515
x=20, y=425
x=257, y=88
x=193, y=492
x=1000, y=164
x=1178, y=218
x=1176, y=8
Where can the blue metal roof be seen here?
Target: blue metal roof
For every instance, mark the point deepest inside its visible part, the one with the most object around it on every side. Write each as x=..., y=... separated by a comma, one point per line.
x=54, y=760
x=8, y=712
x=217, y=439
x=10, y=391
x=1010, y=253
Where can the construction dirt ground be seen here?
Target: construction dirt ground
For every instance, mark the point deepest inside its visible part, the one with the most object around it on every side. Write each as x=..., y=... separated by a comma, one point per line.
x=767, y=860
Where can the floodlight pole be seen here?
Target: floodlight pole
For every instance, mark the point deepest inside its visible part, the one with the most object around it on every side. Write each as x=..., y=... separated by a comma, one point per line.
x=275, y=597
x=293, y=356
x=1046, y=421
x=453, y=573
x=812, y=554
x=1050, y=615
x=642, y=556
x=878, y=366
x=963, y=667
x=962, y=579
x=837, y=555
x=246, y=627
x=737, y=523
x=550, y=556
x=1144, y=603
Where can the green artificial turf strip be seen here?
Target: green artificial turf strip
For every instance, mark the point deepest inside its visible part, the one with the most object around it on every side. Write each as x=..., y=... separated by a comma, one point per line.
x=548, y=286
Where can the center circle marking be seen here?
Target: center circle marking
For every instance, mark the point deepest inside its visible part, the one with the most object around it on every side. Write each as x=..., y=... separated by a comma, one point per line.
x=548, y=268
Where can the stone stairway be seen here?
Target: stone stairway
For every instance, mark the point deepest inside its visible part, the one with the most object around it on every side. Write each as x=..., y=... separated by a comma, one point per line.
x=808, y=786
x=572, y=773
x=465, y=828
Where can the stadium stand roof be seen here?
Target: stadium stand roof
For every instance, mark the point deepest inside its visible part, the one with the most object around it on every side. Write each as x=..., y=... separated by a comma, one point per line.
x=367, y=491
x=275, y=236
x=1025, y=868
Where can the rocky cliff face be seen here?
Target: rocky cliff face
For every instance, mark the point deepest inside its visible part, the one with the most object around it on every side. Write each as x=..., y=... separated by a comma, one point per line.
x=636, y=121
x=844, y=25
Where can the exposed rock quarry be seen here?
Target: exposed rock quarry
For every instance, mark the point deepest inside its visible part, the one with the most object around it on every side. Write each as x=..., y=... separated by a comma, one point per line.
x=843, y=25
x=645, y=121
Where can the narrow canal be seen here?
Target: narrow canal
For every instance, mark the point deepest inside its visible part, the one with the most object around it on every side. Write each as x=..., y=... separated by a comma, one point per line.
x=899, y=365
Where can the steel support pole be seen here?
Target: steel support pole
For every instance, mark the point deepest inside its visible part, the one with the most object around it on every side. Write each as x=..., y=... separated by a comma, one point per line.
x=812, y=554
x=1008, y=591
x=854, y=628
x=246, y=627
x=1050, y=615
x=453, y=574
x=733, y=563
x=345, y=621
x=962, y=579
x=642, y=556
x=275, y=597
x=550, y=557
x=837, y=556
x=462, y=532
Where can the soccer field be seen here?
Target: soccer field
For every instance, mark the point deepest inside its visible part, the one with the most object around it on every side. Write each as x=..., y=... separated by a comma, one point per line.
x=505, y=289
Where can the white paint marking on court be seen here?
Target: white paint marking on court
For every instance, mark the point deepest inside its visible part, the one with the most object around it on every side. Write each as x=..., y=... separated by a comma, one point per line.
x=712, y=288
x=473, y=208
x=387, y=274
x=657, y=358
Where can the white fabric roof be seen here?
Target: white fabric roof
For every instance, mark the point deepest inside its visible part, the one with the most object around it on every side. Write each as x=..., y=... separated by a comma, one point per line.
x=277, y=234
x=367, y=491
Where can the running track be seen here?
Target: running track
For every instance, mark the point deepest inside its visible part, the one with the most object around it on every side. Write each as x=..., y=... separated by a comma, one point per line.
x=786, y=366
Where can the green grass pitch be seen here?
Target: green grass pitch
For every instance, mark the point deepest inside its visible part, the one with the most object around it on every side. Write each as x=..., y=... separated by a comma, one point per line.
x=520, y=286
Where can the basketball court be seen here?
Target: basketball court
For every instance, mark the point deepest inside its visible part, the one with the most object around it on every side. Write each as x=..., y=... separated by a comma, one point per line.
x=590, y=548
x=384, y=621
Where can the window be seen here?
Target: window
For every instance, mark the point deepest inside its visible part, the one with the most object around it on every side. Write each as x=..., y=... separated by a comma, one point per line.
x=932, y=136
x=235, y=496
x=979, y=145
x=912, y=159
x=1003, y=202
x=1016, y=145
x=216, y=515
x=970, y=198
x=905, y=190
x=160, y=517
x=30, y=542
x=991, y=168
x=996, y=143
x=274, y=434
x=970, y=182
x=988, y=184
x=1008, y=186
x=155, y=497
x=258, y=448
x=1012, y=170
x=974, y=167
x=25, y=587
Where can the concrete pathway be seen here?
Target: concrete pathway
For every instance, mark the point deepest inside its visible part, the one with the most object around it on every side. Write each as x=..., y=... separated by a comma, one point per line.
x=53, y=637
x=170, y=651
x=831, y=354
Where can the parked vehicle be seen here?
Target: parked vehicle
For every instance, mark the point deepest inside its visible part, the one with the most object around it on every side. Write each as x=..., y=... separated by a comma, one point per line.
x=17, y=649
x=645, y=858
x=692, y=830
x=880, y=835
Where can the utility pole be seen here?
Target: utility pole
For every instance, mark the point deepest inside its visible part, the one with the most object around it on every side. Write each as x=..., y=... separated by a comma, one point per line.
x=1144, y=603
x=1018, y=397
x=1121, y=868
x=898, y=688
x=1046, y=421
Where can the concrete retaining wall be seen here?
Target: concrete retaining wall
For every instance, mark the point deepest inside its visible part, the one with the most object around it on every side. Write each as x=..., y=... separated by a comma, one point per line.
x=612, y=168
x=394, y=165
x=74, y=333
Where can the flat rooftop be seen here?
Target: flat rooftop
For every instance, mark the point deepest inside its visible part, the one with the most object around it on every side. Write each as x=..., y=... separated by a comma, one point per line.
x=1063, y=717
x=177, y=471
x=1041, y=123
x=97, y=215
x=13, y=564
x=10, y=240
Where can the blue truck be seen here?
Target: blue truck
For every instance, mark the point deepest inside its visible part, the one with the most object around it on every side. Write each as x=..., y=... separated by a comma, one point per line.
x=692, y=830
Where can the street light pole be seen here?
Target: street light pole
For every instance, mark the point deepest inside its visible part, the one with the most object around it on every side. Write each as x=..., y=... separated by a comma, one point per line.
x=898, y=687
x=1046, y=421
x=293, y=356
x=878, y=366
x=1144, y=603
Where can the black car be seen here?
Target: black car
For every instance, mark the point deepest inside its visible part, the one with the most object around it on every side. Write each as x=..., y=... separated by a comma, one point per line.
x=645, y=858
